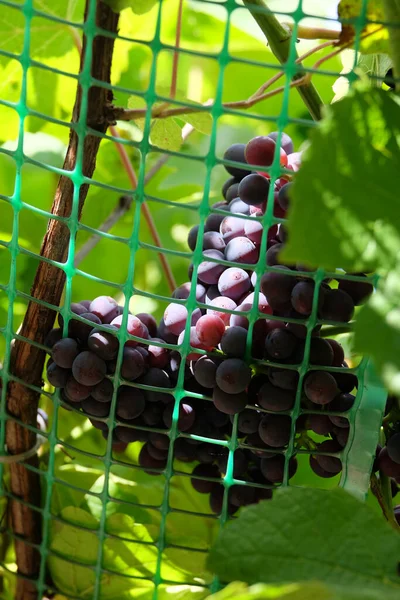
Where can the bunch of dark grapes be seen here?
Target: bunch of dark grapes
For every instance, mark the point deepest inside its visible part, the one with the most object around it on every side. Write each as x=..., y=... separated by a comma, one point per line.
x=237, y=369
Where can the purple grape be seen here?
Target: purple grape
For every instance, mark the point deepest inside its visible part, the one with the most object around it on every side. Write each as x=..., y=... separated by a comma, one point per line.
x=129, y=435
x=192, y=237
x=230, y=404
x=236, y=153
x=76, y=308
x=103, y=343
x=248, y=421
x=274, y=398
x=272, y=255
x=320, y=424
x=221, y=302
x=277, y=288
x=81, y=331
x=338, y=353
x=104, y=307
x=150, y=465
x=284, y=196
x=133, y=365
x=209, y=272
x=233, y=342
x=130, y=403
x=186, y=416
x=359, y=291
x=275, y=430
x=210, y=329
x=150, y=322
x=88, y=368
x=233, y=376
x=286, y=141
x=156, y=453
x=183, y=291
x=283, y=378
x=241, y=250
x=54, y=336
x=241, y=495
x=157, y=378
x=320, y=387
x=253, y=231
x=273, y=468
x=280, y=344
x=94, y=408
x=204, y=371
x=254, y=189
x=64, y=352
x=234, y=283
x=103, y=391
x=158, y=356
x=331, y=464
x=228, y=183
x=213, y=240
x=134, y=327
x=337, y=306
x=393, y=448
x=318, y=470
x=203, y=486
x=321, y=352
x=152, y=414
x=57, y=376
x=232, y=227
x=75, y=391
x=238, y=207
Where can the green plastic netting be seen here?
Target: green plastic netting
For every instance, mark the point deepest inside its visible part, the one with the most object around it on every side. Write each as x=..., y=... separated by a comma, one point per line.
x=157, y=558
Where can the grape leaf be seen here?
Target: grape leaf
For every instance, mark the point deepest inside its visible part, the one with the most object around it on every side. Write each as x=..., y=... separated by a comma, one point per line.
x=377, y=331
x=166, y=134
x=352, y=9
x=346, y=207
x=291, y=539
x=299, y=591
x=139, y=7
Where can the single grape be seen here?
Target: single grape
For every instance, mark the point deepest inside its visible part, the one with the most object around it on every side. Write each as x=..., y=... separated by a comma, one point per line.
x=204, y=371
x=94, y=408
x=393, y=448
x=346, y=381
x=318, y=470
x=210, y=329
x=254, y=189
x=151, y=465
x=321, y=352
x=192, y=237
x=275, y=430
x=209, y=272
x=341, y=435
x=274, y=398
x=228, y=183
x=221, y=302
x=165, y=334
x=157, y=378
x=294, y=161
x=233, y=342
x=280, y=344
x=104, y=307
x=212, y=293
x=206, y=453
x=186, y=416
x=320, y=424
x=152, y=414
x=236, y=153
x=286, y=141
x=64, y=352
x=57, y=376
x=103, y=391
x=217, y=498
x=176, y=316
x=337, y=306
x=342, y=403
x=159, y=440
x=158, y=356
x=272, y=257
x=88, y=368
x=81, y=331
x=156, y=453
x=284, y=196
x=103, y=343
x=253, y=231
x=213, y=221
x=76, y=308
x=233, y=376
x=248, y=421
x=130, y=403
x=331, y=464
x=283, y=378
x=54, y=336
x=134, y=327
x=238, y=207
x=232, y=227
x=133, y=364
x=128, y=434
x=150, y=322
x=389, y=467
x=277, y=288
x=203, y=486
x=182, y=293
x=213, y=240
x=241, y=250
x=241, y=495
x=302, y=297
x=320, y=387
x=233, y=283
x=75, y=391
x=338, y=352
x=215, y=417
x=273, y=468
x=260, y=151
x=359, y=291
x=230, y=404
x=184, y=451
x=240, y=462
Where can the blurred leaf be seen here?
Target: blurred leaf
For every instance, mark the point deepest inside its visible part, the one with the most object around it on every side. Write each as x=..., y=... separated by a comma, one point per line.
x=166, y=134
x=297, y=523
x=353, y=9
x=349, y=220
x=201, y=121
x=139, y=7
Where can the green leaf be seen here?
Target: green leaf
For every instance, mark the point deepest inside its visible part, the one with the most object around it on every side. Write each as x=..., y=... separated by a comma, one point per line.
x=309, y=534
x=314, y=590
x=139, y=7
x=166, y=134
x=201, y=121
x=353, y=9
x=377, y=331
x=346, y=207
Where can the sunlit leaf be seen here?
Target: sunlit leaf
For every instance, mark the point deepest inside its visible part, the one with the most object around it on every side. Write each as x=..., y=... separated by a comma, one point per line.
x=374, y=37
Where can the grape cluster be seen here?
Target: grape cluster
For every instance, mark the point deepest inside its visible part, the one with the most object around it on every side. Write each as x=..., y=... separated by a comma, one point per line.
x=232, y=367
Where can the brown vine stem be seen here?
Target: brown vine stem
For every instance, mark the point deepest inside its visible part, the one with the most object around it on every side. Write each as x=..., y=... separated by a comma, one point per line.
x=313, y=33
x=27, y=361
x=122, y=114
x=175, y=62
x=383, y=502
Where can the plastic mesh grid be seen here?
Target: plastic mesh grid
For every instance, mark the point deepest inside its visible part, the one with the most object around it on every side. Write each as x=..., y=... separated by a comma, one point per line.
x=356, y=457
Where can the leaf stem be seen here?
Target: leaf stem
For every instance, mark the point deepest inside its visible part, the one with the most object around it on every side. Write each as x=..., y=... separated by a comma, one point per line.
x=391, y=10
x=176, y=51
x=279, y=40
x=379, y=489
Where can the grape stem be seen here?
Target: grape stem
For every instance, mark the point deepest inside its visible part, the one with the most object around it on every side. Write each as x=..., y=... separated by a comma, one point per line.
x=313, y=33
x=381, y=490
x=391, y=9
